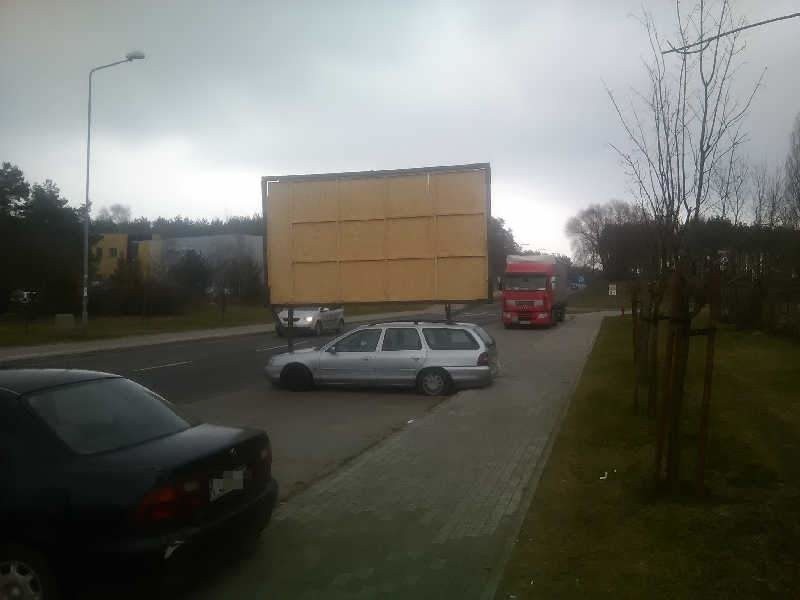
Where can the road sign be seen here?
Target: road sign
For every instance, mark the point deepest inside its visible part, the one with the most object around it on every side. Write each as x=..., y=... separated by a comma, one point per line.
x=612, y=289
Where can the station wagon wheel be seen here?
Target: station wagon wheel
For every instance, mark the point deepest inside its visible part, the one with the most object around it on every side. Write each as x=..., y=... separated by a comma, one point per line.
x=24, y=575
x=434, y=382
x=296, y=377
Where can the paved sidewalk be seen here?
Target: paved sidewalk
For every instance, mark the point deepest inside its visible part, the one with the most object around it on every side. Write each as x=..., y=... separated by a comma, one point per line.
x=64, y=348
x=431, y=512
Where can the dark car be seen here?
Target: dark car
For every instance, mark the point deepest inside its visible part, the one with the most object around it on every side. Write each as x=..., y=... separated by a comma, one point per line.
x=99, y=473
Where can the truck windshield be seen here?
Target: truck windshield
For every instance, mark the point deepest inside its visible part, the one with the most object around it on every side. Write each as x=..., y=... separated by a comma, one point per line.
x=524, y=281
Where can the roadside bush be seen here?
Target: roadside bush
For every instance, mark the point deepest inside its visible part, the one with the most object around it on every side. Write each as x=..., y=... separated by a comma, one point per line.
x=128, y=293
x=192, y=273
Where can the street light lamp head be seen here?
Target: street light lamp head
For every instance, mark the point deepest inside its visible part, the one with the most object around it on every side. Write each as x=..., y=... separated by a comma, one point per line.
x=134, y=55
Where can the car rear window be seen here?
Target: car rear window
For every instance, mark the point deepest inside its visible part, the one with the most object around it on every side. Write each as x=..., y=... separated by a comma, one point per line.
x=404, y=338
x=482, y=333
x=98, y=416
x=442, y=338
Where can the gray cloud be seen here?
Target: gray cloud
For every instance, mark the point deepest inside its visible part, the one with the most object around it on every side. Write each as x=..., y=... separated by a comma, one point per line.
x=233, y=90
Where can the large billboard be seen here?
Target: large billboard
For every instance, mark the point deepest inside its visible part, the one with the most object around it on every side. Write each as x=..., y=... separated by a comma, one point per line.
x=378, y=236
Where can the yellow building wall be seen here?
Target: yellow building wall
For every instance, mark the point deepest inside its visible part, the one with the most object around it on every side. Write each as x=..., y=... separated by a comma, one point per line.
x=148, y=256
x=414, y=235
x=111, y=247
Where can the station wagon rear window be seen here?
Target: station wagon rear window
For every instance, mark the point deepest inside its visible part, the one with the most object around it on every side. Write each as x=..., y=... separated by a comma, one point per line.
x=442, y=338
x=484, y=335
x=404, y=338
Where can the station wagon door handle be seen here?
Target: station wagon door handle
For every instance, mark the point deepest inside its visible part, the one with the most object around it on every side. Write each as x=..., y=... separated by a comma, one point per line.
x=365, y=358
x=415, y=358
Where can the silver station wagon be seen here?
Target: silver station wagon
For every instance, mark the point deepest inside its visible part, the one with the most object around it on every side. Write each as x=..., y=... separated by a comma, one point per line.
x=435, y=357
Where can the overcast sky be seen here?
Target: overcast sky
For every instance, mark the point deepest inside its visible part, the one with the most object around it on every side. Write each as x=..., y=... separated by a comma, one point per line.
x=231, y=91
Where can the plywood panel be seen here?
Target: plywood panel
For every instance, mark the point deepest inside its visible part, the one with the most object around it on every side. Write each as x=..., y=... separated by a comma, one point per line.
x=410, y=238
x=316, y=282
x=461, y=278
x=362, y=240
x=363, y=281
x=408, y=197
x=362, y=199
x=410, y=279
x=458, y=193
x=314, y=242
x=279, y=241
x=417, y=234
x=461, y=235
x=314, y=201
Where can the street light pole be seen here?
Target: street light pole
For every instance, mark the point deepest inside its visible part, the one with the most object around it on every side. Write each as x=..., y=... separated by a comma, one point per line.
x=130, y=57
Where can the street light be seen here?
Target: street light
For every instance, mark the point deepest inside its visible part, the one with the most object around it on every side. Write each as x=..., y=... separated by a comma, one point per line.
x=129, y=57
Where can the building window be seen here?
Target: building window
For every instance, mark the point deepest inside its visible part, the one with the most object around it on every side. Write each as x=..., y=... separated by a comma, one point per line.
x=98, y=252
x=112, y=252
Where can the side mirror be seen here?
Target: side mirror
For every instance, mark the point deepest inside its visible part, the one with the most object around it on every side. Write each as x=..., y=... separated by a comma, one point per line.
x=331, y=349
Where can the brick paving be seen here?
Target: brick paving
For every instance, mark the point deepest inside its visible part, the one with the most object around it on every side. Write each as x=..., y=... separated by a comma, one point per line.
x=432, y=511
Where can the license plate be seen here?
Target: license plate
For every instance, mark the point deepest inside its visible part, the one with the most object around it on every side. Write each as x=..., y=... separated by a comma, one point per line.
x=229, y=482
x=524, y=322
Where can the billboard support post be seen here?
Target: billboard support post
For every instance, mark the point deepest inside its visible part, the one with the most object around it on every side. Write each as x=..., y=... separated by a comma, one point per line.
x=447, y=312
x=290, y=331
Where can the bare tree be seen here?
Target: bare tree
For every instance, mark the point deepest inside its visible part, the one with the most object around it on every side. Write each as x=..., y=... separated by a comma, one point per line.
x=116, y=213
x=731, y=186
x=760, y=176
x=585, y=230
x=792, y=182
x=688, y=124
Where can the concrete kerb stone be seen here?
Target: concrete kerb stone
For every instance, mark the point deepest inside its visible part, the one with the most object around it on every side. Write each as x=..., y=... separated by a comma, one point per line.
x=490, y=589
x=13, y=353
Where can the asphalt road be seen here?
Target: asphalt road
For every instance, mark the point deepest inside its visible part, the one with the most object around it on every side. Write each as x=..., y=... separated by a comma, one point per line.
x=221, y=381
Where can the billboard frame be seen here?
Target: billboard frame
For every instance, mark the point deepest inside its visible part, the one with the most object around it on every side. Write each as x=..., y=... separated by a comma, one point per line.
x=267, y=179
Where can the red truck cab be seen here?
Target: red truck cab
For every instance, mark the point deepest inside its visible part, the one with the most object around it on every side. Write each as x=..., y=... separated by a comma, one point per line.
x=534, y=291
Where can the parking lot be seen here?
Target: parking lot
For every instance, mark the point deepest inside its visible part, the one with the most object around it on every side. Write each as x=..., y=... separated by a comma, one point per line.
x=221, y=380
x=384, y=493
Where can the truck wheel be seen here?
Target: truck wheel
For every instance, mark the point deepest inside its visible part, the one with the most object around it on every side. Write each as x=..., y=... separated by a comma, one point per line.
x=318, y=328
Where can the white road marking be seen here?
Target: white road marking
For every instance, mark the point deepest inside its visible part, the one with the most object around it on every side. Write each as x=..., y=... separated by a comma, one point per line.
x=175, y=364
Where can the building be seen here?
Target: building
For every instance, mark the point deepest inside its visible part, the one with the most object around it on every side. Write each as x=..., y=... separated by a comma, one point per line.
x=157, y=255
x=108, y=250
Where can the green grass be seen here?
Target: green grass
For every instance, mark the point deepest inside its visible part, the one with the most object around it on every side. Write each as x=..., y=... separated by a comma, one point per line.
x=587, y=537
x=595, y=297
x=14, y=332
x=42, y=331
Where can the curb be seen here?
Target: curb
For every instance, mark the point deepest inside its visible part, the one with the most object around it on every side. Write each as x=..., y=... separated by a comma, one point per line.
x=490, y=589
x=122, y=343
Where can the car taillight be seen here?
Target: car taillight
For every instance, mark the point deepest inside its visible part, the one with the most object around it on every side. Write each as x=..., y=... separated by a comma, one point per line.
x=483, y=359
x=168, y=502
x=266, y=458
